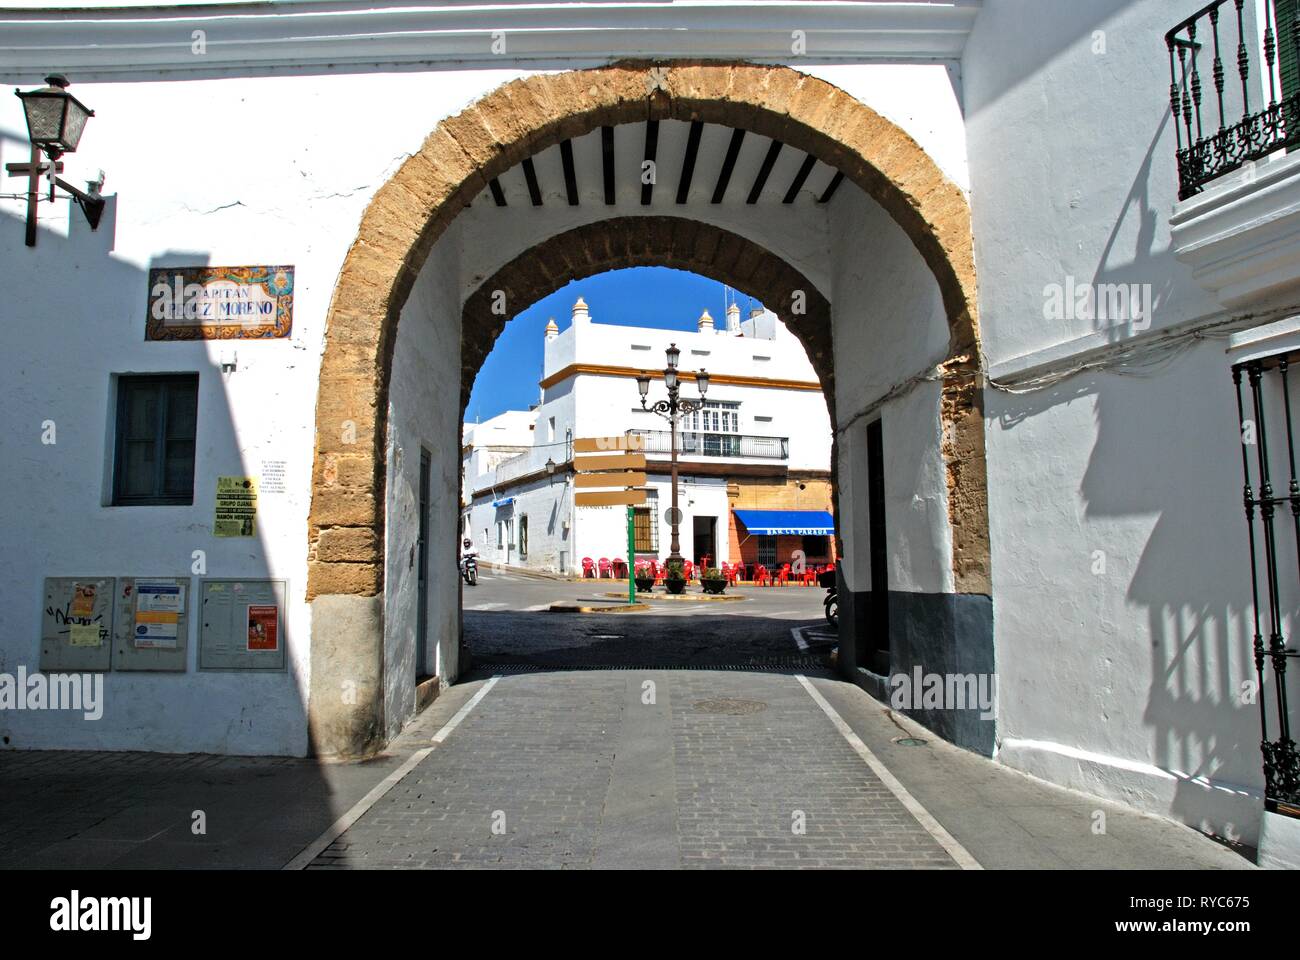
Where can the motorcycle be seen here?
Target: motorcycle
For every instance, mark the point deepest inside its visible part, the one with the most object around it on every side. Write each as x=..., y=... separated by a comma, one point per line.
x=469, y=568
x=831, y=604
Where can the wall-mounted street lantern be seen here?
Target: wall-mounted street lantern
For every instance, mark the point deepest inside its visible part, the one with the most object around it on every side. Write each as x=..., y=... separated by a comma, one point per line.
x=550, y=470
x=55, y=122
x=55, y=118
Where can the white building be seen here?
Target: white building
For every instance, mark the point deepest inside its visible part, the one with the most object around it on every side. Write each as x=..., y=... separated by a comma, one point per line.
x=1014, y=267
x=762, y=440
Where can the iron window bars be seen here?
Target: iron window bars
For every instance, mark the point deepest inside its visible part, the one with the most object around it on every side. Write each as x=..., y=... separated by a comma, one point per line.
x=1281, y=764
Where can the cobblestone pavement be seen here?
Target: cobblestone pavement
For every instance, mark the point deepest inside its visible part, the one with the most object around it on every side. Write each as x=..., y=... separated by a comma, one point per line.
x=89, y=809
x=718, y=771
x=735, y=770
x=555, y=764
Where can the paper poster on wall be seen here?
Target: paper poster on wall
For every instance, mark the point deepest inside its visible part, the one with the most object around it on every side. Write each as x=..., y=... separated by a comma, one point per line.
x=83, y=600
x=84, y=635
x=158, y=606
x=220, y=303
x=263, y=626
x=236, y=511
x=272, y=479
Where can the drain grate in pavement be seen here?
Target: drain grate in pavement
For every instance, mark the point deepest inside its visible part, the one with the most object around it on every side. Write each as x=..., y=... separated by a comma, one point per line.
x=730, y=706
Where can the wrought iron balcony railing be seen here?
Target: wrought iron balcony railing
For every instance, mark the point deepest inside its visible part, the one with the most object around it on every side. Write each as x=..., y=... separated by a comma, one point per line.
x=717, y=444
x=1226, y=29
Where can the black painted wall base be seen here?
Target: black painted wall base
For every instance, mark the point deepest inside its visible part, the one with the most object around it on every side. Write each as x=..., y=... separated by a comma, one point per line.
x=949, y=637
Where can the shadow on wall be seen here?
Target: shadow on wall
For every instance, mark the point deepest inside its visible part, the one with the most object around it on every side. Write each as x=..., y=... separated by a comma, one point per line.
x=74, y=318
x=1167, y=454
x=1130, y=281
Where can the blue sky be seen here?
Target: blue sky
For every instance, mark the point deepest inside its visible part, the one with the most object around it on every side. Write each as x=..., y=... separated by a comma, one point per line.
x=638, y=297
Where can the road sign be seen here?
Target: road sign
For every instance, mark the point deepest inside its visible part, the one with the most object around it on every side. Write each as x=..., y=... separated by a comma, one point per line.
x=672, y=515
x=609, y=444
x=615, y=461
x=611, y=479
x=609, y=498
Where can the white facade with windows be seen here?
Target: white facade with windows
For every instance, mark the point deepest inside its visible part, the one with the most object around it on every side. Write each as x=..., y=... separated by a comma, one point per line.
x=764, y=411
x=1111, y=435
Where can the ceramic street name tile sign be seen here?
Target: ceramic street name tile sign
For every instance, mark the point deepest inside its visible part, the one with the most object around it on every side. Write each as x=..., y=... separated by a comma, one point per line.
x=220, y=303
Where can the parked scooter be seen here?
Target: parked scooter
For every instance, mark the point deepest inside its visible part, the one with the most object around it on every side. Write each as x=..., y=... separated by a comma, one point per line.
x=469, y=565
x=831, y=604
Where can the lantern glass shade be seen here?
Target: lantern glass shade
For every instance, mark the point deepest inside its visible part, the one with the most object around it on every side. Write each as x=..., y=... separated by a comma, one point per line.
x=550, y=466
x=55, y=118
x=672, y=353
x=702, y=380
x=670, y=378
x=643, y=384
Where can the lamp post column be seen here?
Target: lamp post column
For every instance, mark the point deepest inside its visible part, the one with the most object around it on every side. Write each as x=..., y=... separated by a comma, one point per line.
x=675, y=548
x=672, y=410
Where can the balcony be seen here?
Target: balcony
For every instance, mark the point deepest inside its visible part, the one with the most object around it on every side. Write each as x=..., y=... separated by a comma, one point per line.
x=1234, y=71
x=1265, y=89
x=729, y=445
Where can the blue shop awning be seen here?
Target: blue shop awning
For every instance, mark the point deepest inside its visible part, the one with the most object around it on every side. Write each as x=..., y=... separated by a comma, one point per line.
x=809, y=523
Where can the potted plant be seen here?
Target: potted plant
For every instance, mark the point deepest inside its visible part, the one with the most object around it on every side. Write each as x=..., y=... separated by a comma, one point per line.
x=645, y=579
x=675, y=580
x=712, y=580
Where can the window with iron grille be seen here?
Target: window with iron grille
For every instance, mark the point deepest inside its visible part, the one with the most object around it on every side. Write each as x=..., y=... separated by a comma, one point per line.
x=157, y=418
x=645, y=529
x=767, y=550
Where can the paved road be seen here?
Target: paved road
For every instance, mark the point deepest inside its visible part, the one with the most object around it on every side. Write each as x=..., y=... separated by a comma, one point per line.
x=505, y=623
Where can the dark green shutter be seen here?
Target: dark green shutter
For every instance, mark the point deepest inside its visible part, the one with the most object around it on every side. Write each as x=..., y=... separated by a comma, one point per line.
x=1284, y=14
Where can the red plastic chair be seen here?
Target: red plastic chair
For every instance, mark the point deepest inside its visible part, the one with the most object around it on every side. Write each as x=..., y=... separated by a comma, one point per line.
x=588, y=568
x=810, y=575
x=606, y=569
x=783, y=576
x=738, y=571
x=762, y=577
x=620, y=568
x=688, y=569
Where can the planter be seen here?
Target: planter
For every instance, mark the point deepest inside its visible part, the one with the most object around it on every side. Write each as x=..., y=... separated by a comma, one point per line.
x=715, y=587
x=645, y=584
x=675, y=586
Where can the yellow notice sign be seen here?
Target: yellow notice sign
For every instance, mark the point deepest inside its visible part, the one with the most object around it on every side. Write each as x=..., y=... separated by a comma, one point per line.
x=236, y=507
x=83, y=635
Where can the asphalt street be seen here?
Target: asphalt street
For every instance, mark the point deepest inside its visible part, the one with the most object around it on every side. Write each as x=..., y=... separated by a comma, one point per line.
x=507, y=621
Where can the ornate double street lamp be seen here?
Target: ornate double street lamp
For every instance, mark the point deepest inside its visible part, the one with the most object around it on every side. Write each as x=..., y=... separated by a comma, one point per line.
x=672, y=410
x=55, y=121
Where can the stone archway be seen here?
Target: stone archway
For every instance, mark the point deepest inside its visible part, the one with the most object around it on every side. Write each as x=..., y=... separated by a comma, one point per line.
x=455, y=163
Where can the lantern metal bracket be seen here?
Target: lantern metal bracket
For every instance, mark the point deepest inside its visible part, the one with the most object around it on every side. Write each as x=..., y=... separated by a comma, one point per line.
x=90, y=201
